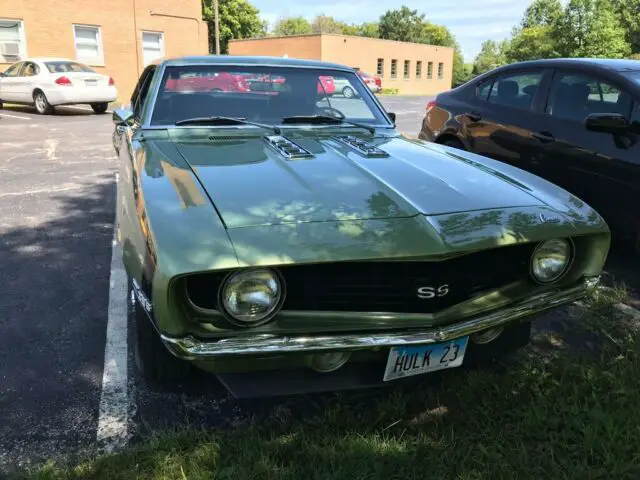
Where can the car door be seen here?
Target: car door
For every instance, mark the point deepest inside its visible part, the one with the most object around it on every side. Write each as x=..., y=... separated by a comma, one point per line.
x=9, y=83
x=25, y=82
x=603, y=169
x=506, y=116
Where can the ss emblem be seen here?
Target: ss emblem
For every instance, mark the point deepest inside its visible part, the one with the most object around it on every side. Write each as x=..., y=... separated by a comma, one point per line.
x=431, y=292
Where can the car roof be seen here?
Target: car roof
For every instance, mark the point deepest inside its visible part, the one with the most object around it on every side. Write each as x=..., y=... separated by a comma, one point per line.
x=249, y=61
x=48, y=59
x=606, y=63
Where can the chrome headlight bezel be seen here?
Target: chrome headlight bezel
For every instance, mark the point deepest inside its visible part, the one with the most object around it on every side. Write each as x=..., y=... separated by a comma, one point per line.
x=238, y=320
x=565, y=268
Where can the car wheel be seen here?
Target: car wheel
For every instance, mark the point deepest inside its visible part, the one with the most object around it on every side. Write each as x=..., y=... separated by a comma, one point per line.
x=154, y=362
x=348, y=92
x=41, y=103
x=453, y=143
x=100, y=107
x=1, y=105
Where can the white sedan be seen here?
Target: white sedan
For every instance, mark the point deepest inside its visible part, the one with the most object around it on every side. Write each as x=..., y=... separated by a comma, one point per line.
x=47, y=82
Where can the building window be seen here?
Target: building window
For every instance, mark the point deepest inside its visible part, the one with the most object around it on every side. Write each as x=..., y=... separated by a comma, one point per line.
x=380, y=68
x=394, y=68
x=12, y=41
x=407, y=68
x=440, y=70
x=430, y=70
x=152, y=46
x=418, y=69
x=88, y=44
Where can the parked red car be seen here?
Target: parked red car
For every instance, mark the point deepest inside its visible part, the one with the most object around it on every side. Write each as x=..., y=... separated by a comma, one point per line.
x=326, y=86
x=220, y=82
x=373, y=82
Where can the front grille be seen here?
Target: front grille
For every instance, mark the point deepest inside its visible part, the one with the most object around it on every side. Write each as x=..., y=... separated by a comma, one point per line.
x=389, y=286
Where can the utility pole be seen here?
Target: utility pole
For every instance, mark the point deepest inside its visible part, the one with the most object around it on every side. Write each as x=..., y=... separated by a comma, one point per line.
x=216, y=17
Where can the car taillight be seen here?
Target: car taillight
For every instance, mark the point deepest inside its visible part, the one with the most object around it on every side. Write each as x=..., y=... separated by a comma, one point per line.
x=63, y=81
x=111, y=82
x=431, y=104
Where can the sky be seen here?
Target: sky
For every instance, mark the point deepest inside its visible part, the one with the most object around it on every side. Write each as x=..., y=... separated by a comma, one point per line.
x=471, y=21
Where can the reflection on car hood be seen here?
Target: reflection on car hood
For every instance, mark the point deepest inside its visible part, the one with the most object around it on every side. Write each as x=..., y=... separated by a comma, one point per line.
x=251, y=183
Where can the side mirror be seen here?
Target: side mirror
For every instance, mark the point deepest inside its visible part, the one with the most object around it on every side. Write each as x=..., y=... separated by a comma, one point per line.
x=392, y=116
x=1, y=74
x=607, y=123
x=123, y=117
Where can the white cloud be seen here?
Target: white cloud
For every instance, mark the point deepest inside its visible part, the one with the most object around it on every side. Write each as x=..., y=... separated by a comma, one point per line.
x=471, y=21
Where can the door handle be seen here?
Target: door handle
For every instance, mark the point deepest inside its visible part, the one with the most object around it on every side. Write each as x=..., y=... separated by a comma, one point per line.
x=473, y=116
x=544, y=137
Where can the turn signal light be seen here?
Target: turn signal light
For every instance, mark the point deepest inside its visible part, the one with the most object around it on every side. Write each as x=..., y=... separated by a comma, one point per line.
x=63, y=81
x=111, y=82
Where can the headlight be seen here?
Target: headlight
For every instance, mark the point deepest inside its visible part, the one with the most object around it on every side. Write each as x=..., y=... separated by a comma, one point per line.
x=251, y=297
x=550, y=260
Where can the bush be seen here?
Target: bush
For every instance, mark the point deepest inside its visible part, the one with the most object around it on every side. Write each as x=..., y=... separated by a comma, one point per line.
x=389, y=91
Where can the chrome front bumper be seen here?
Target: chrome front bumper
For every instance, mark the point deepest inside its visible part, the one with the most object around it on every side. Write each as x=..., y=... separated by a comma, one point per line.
x=194, y=349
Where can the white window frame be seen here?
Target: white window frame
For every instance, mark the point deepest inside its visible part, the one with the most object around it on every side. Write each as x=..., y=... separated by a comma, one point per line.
x=152, y=32
x=22, y=40
x=97, y=61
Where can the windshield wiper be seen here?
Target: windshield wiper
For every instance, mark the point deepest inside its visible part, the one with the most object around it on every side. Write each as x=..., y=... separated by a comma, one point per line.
x=218, y=120
x=326, y=119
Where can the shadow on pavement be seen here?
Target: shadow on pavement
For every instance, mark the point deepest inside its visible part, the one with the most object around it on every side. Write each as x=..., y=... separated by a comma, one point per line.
x=54, y=284
x=62, y=111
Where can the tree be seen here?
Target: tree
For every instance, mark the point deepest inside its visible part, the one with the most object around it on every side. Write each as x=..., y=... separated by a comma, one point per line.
x=628, y=13
x=491, y=55
x=590, y=28
x=238, y=19
x=327, y=24
x=542, y=13
x=531, y=43
x=368, y=29
x=292, y=26
x=404, y=25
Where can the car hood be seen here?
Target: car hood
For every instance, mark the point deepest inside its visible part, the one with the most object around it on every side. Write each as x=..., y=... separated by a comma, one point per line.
x=251, y=183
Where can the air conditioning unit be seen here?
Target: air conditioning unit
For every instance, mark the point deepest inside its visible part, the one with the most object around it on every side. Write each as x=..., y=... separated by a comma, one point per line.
x=10, y=49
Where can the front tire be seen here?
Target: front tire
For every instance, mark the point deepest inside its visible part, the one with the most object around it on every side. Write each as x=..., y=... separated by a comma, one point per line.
x=154, y=362
x=347, y=92
x=43, y=107
x=99, y=108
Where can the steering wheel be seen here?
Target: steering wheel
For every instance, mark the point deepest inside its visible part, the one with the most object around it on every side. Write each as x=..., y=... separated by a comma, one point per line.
x=332, y=112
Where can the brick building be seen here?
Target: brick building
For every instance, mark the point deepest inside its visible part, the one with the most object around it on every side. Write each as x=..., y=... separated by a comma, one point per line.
x=118, y=37
x=412, y=68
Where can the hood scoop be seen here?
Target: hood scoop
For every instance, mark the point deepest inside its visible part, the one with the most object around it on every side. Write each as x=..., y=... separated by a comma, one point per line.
x=287, y=148
x=362, y=147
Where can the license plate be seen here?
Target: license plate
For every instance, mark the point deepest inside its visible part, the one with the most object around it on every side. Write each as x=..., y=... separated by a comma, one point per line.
x=408, y=361
x=91, y=83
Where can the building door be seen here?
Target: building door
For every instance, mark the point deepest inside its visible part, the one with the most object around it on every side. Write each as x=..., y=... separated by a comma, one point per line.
x=152, y=46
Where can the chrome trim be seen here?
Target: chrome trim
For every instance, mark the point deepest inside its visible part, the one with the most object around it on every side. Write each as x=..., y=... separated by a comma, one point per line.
x=287, y=148
x=191, y=348
x=363, y=147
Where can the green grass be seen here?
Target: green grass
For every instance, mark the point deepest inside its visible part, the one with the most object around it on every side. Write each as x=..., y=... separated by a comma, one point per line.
x=572, y=413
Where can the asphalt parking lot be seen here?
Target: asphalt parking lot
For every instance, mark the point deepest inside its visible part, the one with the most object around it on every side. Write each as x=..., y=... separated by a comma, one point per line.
x=58, y=289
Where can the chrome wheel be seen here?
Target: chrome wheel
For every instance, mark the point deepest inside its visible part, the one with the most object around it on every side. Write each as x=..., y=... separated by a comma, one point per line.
x=347, y=92
x=41, y=103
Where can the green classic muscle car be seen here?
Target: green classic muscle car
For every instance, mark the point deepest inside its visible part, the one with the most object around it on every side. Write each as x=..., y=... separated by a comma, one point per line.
x=272, y=227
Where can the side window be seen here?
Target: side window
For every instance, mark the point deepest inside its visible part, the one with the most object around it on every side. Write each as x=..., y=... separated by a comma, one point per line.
x=517, y=91
x=13, y=70
x=139, y=94
x=29, y=69
x=574, y=96
x=482, y=91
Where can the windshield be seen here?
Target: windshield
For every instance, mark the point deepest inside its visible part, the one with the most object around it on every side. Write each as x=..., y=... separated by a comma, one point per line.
x=67, y=67
x=634, y=76
x=262, y=94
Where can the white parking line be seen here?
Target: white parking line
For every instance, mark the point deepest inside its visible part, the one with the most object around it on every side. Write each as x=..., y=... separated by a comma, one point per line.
x=11, y=115
x=113, y=416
